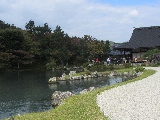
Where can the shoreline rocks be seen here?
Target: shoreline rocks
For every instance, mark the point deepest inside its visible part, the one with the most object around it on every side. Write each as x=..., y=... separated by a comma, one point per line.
x=95, y=74
x=58, y=96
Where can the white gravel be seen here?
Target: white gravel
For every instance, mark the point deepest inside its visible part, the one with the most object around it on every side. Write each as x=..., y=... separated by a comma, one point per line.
x=138, y=100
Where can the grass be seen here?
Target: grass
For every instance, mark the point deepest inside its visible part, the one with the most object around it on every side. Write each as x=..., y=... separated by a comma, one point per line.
x=103, y=73
x=79, y=107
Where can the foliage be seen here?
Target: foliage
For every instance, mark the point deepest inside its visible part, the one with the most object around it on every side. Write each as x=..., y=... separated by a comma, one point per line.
x=127, y=65
x=110, y=66
x=93, y=66
x=155, y=65
x=11, y=39
x=59, y=45
x=151, y=53
x=139, y=69
x=51, y=65
x=39, y=43
x=87, y=64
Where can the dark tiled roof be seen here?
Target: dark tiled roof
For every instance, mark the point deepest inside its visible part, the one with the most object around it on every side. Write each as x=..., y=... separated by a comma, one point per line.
x=143, y=37
x=126, y=45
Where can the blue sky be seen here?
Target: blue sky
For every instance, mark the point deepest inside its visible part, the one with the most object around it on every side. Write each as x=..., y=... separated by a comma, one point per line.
x=129, y=2
x=103, y=19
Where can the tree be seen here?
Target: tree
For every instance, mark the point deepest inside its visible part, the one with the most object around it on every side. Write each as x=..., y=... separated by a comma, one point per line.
x=12, y=47
x=59, y=46
x=21, y=57
x=40, y=36
x=4, y=25
x=11, y=39
x=30, y=26
x=152, y=54
x=97, y=48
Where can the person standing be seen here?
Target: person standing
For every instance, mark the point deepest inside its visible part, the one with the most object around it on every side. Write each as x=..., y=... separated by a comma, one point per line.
x=108, y=61
x=97, y=60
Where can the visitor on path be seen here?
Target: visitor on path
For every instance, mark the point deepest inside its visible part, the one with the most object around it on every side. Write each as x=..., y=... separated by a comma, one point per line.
x=124, y=60
x=115, y=61
x=97, y=60
x=135, y=59
x=108, y=60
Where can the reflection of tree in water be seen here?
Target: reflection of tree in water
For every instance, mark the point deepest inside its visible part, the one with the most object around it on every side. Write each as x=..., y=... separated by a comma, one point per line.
x=76, y=86
x=57, y=73
x=52, y=86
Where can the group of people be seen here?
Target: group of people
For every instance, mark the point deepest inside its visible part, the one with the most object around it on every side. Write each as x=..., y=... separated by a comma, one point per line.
x=116, y=61
x=113, y=60
x=122, y=60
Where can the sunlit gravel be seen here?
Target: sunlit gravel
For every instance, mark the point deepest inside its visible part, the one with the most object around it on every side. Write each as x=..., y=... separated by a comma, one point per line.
x=138, y=100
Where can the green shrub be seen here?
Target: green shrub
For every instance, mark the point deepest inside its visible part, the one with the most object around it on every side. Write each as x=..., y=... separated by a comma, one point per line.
x=127, y=65
x=51, y=65
x=139, y=69
x=97, y=67
x=143, y=64
x=155, y=65
x=88, y=72
x=110, y=66
x=85, y=65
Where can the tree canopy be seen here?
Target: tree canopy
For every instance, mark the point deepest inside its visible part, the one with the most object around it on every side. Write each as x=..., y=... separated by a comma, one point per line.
x=152, y=54
x=41, y=45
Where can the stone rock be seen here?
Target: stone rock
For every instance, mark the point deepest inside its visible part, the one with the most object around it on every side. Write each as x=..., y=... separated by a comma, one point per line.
x=139, y=74
x=11, y=118
x=99, y=74
x=125, y=73
x=52, y=80
x=113, y=73
x=119, y=74
x=76, y=77
x=84, y=76
x=87, y=90
x=72, y=72
x=90, y=65
x=89, y=76
x=95, y=74
x=130, y=74
x=58, y=97
x=63, y=77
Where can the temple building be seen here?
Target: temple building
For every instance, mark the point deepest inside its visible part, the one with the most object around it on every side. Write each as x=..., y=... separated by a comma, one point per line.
x=142, y=40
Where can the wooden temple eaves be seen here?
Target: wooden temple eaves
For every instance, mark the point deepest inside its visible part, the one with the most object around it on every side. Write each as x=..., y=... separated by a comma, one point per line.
x=142, y=39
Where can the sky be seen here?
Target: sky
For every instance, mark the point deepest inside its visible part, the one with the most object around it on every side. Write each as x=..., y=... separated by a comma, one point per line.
x=112, y=20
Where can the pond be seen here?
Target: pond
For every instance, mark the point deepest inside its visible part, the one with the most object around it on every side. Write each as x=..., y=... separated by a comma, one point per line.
x=24, y=92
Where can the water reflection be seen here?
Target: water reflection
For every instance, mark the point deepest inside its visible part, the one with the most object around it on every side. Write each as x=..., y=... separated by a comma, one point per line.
x=27, y=91
x=52, y=86
x=78, y=85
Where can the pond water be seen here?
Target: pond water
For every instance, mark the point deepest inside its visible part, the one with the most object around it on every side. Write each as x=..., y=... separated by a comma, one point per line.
x=23, y=92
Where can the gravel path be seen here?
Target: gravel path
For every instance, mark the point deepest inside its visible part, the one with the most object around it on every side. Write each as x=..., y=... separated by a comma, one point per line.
x=139, y=100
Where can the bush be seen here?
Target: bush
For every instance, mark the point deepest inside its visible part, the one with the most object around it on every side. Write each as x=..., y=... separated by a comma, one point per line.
x=127, y=65
x=97, y=67
x=143, y=64
x=88, y=72
x=51, y=65
x=155, y=65
x=85, y=65
x=139, y=69
x=110, y=66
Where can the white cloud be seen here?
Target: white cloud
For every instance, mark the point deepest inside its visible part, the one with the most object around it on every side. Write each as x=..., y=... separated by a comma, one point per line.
x=80, y=17
x=133, y=13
